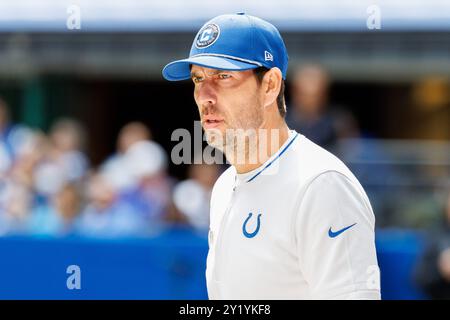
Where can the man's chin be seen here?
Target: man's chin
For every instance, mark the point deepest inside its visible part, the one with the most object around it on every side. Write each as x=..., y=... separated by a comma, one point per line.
x=214, y=132
x=214, y=140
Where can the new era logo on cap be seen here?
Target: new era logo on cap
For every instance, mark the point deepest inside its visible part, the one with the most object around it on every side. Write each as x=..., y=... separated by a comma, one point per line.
x=268, y=56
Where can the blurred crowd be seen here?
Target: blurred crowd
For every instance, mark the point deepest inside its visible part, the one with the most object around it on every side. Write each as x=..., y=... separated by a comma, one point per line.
x=48, y=187
x=432, y=273
x=47, y=184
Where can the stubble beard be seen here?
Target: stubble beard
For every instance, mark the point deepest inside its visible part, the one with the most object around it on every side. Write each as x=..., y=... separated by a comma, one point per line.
x=240, y=139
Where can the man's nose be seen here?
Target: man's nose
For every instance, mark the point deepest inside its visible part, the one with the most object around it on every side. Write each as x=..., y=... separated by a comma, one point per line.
x=206, y=94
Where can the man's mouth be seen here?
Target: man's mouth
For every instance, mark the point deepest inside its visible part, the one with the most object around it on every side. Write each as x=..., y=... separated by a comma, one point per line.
x=211, y=123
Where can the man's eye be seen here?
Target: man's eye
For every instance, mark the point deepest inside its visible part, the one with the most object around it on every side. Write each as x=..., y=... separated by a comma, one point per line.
x=196, y=79
x=224, y=76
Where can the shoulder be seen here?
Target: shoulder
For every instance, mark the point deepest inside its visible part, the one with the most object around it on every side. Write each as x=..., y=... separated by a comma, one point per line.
x=336, y=195
x=308, y=161
x=316, y=158
x=333, y=180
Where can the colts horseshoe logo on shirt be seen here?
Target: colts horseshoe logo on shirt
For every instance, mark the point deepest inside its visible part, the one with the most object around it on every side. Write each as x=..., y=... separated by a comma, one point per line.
x=244, y=226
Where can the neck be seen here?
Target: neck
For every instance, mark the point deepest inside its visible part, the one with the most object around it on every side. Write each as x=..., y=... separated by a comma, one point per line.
x=268, y=142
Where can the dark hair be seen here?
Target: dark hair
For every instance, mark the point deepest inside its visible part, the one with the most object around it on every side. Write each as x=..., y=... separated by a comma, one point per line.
x=260, y=72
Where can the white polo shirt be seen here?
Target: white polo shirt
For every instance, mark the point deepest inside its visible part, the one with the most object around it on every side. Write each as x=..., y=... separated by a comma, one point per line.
x=298, y=227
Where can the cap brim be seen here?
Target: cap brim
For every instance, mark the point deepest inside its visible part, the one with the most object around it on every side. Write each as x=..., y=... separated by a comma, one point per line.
x=180, y=70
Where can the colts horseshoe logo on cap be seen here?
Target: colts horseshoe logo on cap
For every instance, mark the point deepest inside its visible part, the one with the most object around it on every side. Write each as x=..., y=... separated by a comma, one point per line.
x=207, y=36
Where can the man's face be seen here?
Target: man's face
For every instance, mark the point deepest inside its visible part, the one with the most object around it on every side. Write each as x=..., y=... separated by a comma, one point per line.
x=227, y=100
x=309, y=90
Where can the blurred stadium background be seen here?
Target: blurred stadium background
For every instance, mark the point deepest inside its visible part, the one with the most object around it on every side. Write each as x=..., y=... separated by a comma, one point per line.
x=85, y=139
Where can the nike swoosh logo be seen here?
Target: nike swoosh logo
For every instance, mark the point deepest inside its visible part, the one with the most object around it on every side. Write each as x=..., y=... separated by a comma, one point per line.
x=332, y=234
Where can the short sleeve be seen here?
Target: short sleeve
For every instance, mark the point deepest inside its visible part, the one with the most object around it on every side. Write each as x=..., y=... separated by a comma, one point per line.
x=335, y=239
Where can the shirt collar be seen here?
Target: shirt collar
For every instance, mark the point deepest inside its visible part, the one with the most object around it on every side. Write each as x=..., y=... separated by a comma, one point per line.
x=251, y=175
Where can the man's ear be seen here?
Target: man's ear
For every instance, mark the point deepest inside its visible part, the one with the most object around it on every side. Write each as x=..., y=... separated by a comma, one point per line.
x=272, y=85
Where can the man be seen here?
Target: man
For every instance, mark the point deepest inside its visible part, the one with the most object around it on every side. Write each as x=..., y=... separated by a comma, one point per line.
x=6, y=151
x=432, y=272
x=296, y=223
x=310, y=112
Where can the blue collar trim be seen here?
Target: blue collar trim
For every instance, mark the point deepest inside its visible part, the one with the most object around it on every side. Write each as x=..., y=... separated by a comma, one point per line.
x=273, y=160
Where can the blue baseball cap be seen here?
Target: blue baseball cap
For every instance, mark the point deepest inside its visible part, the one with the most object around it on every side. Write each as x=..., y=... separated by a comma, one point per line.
x=234, y=42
